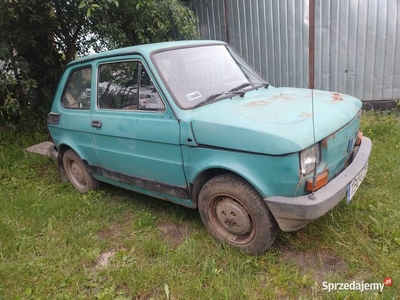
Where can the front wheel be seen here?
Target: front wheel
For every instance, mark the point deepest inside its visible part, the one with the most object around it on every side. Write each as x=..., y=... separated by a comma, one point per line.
x=77, y=172
x=234, y=213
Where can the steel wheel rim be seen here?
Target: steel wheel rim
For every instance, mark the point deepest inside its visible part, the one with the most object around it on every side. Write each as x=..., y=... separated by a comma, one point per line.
x=76, y=175
x=231, y=219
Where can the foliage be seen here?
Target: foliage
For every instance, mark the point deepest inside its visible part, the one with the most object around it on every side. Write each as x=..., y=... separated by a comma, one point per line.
x=38, y=38
x=31, y=63
x=137, y=22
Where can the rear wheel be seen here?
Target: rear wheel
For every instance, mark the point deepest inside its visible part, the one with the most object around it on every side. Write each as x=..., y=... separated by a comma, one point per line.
x=234, y=213
x=78, y=174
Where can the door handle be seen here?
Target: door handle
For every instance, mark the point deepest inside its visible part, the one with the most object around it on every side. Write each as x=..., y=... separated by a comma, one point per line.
x=96, y=123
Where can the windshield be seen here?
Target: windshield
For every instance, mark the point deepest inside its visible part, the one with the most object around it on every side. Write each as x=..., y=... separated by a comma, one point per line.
x=203, y=74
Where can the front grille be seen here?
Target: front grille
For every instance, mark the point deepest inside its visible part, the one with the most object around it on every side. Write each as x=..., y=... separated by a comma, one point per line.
x=53, y=118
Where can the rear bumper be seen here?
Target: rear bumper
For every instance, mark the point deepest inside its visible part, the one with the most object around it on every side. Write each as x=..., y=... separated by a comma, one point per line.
x=292, y=213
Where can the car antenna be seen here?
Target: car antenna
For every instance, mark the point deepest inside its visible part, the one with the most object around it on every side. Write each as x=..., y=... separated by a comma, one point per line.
x=314, y=178
x=311, y=44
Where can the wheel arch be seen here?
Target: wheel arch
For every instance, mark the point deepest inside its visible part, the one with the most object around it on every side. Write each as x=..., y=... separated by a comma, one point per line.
x=207, y=174
x=63, y=147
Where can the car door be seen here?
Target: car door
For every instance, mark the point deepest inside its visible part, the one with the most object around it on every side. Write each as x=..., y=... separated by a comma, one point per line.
x=69, y=120
x=136, y=135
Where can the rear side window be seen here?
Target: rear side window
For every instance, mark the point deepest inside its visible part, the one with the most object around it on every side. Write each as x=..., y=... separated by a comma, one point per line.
x=78, y=89
x=127, y=86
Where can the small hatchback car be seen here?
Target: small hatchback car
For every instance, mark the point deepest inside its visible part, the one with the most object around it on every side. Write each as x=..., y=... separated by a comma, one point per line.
x=191, y=122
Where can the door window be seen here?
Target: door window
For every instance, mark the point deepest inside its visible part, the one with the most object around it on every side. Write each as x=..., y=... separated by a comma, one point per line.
x=127, y=86
x=78, y=89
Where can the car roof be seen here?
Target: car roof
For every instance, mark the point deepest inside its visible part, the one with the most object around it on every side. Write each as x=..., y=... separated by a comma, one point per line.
x=145, y=49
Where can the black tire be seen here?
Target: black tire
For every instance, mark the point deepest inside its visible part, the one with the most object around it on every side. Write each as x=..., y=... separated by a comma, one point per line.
x=78, y=174
x=234, y=213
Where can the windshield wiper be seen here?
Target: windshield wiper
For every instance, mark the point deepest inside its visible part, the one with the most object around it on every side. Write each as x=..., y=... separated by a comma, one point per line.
x=208, y=99
x=232, y=92
x=265, y=84
x=236, y=88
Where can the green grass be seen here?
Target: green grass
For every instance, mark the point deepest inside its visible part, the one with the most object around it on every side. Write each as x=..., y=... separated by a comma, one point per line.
x=52, y=238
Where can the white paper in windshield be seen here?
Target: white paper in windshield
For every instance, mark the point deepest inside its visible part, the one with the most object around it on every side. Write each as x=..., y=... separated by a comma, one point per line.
x=193, y=96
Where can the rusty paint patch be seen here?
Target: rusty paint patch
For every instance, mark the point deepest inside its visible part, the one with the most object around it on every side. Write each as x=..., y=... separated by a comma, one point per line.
x=306, y=115
x=256, y=103
x=324, y=142
x=336, y=97
x=281, y=96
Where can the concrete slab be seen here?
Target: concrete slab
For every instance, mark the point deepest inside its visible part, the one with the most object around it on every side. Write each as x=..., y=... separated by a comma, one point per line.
x=42, y=148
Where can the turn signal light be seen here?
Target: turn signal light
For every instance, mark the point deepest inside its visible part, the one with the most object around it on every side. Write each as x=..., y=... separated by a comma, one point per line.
x=321, y=180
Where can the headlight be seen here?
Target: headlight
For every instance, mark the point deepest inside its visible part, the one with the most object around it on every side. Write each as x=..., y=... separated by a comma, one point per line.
x=309, y=158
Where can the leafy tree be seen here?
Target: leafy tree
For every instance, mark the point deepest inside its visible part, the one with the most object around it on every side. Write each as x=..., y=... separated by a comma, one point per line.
x=38, y=38
x=136, y=22
x=26, y=53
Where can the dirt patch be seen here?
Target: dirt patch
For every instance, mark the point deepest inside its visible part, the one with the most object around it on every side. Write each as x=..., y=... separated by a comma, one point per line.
x=322, y=264
x=174, y=235
x=113, y=232
x=104, y=259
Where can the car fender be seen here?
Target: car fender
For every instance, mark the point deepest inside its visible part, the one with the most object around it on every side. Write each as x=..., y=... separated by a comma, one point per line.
x=269, y=175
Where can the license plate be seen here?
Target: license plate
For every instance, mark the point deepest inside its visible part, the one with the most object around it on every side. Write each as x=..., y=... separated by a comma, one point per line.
x=356, y=182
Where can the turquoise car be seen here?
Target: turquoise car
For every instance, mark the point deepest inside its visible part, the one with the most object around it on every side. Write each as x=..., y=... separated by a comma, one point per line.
x=192, y=123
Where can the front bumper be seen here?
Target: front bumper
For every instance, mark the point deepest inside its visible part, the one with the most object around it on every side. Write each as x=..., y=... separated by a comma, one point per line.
x=292, y=213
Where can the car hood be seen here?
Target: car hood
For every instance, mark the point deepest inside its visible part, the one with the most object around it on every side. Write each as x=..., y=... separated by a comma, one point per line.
x=273, y=121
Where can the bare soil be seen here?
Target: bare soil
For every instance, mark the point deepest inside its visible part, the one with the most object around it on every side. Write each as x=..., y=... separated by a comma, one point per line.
x=320, y=263
x=174, y=235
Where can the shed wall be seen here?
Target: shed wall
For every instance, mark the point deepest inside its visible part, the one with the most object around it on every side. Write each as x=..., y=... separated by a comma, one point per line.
x=357, y=42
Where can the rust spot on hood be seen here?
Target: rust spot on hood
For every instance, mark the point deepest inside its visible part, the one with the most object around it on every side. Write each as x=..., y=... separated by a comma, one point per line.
x=256, y=103
x=306, y=115
x=282, y=96
x=336, y=97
